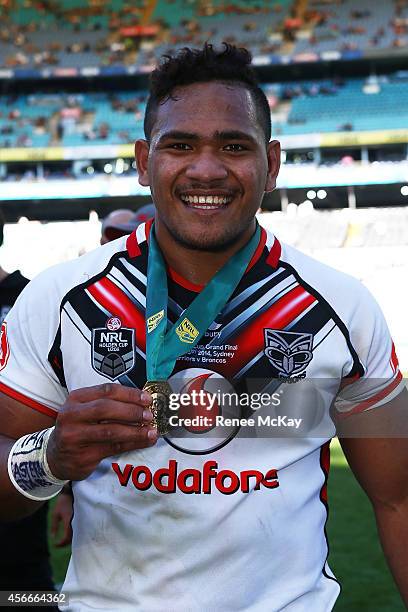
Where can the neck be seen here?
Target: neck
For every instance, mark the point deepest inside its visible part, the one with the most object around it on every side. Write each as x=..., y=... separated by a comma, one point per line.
x=198, y=267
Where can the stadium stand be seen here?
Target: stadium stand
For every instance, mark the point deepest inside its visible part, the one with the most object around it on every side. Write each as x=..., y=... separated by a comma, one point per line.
x=323, y=228
x=78, y=34
x=66, y=33
x=349, y=26
x=301, y=107
x=330, y=106
x=340, y=229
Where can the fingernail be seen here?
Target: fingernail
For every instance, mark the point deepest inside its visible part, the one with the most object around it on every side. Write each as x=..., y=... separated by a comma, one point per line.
x=145, y=397
x=152, y=434
x=147, y=415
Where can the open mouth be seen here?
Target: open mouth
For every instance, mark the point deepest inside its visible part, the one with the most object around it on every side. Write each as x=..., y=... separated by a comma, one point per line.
x=206, y=202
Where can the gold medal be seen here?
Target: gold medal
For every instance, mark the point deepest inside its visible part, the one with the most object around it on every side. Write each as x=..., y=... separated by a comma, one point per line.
x=160, y=391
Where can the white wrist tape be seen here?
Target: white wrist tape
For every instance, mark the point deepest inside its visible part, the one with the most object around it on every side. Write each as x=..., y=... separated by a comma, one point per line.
x=28, y=467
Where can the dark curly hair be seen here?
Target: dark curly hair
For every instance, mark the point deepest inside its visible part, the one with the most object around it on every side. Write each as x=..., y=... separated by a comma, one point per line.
x=188, y=66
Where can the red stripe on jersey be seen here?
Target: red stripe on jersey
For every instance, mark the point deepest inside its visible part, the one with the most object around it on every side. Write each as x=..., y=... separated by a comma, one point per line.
x=183, y=282
x=274, y=254
x=325, y=465
x=394, y=359
x=258, y=251
x=108, y=295
x=373, y=400
x=278, y=316
x=4, y=346
x=28, y=401
x=345, y=382
x=132, y=246
x=148, y=227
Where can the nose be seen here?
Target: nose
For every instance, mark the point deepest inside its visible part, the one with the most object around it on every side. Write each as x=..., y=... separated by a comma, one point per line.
x=206, y=167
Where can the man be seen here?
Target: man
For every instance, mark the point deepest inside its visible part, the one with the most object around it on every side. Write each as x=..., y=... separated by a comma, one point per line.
x=31, y=570
x=203, y=517
x=123, y=221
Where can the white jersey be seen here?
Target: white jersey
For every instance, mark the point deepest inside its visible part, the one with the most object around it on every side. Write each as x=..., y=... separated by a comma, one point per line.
x=228, y=518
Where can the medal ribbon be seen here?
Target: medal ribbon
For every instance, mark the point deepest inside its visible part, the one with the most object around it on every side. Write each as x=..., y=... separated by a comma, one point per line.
x=165, y=344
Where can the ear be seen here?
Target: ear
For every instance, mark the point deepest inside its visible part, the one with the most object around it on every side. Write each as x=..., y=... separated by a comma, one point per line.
x=141, y=157
x=274, y=156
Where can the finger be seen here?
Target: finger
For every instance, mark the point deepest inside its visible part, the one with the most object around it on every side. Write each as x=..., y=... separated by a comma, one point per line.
x=131, y=395
x=112, y=433
x=110, y=410
x=147, y=438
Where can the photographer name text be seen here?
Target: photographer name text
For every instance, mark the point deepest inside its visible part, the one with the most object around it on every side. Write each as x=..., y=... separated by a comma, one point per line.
x=221, y=421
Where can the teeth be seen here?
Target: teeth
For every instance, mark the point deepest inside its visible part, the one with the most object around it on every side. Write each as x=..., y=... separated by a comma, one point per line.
x=212, y=200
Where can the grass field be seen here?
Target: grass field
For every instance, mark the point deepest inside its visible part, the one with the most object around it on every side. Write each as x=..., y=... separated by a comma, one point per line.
x=355, y=554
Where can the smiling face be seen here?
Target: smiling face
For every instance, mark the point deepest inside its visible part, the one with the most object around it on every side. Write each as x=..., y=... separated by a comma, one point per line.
x=207, y=166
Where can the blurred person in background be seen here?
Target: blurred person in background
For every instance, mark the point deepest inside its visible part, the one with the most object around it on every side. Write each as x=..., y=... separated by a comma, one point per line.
x=123, y=221
x=61, y=517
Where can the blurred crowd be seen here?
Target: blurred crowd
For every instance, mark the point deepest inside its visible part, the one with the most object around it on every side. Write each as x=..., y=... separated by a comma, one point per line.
x=53, y=16
x=329, y=24
x=24, y=118
x=126, y=33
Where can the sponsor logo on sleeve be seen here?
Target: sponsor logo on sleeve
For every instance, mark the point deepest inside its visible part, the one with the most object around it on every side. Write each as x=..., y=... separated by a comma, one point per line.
x=289, y=352
x=113, y=349
x=4, y=346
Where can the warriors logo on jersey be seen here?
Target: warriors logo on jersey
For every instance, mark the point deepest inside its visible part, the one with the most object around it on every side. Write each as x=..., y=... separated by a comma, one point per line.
x=289, y=352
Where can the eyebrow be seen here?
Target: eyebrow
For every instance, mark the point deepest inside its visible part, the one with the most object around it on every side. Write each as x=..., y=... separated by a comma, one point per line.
x=178, y=135
x=234, y=135
x=193, y=136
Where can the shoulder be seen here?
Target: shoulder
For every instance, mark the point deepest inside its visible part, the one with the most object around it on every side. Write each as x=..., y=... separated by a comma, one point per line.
x=349, y=304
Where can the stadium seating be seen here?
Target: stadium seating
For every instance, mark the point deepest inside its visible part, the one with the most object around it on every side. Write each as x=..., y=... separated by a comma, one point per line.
x=77, y=33
x=99, y=118
x=340, y=229
x=350, y=26
x=320, y=229
x=81, y=34
x=330, y=107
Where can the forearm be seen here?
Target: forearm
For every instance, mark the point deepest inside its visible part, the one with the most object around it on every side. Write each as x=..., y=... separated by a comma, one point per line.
x=13, y=505
x=392, y=523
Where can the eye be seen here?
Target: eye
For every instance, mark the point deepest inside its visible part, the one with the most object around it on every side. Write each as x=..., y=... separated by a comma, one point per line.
x=180, y=146
x=235, y=147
